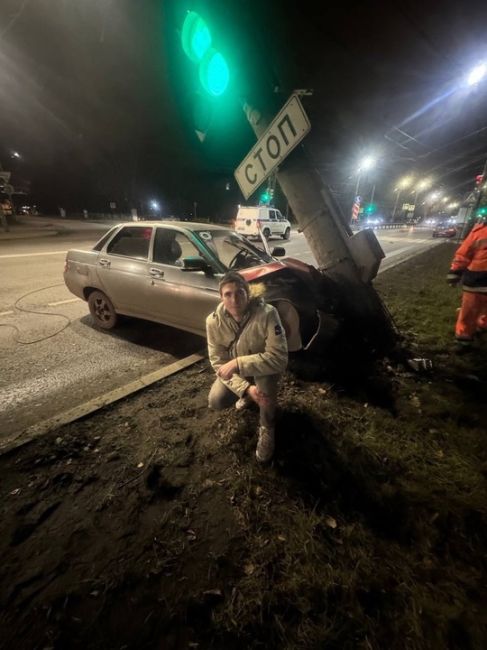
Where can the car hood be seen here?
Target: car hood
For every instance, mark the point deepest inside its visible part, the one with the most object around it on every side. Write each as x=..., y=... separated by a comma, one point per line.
x=261, y=271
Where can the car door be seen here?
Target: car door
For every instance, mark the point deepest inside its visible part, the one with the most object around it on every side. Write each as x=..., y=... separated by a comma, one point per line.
x=283, y=222
x=123, y=270
x=275, y=225
x=178, y=297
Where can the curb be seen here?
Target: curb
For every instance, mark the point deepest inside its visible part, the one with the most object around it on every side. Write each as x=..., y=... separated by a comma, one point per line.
x=87, y=408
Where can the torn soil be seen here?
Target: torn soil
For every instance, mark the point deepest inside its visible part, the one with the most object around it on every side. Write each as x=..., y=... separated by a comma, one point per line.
x=150, y=525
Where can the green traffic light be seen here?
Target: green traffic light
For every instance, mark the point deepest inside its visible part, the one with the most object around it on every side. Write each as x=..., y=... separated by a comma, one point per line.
x=195, y=36
x=196, y=40
x=214, y=73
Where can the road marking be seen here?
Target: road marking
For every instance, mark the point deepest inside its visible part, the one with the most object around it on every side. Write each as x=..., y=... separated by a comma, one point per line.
x=62, y=302
x=6, y=313
x=4, y=257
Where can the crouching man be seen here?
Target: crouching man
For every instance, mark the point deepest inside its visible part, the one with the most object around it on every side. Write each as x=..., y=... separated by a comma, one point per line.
x=248, y=351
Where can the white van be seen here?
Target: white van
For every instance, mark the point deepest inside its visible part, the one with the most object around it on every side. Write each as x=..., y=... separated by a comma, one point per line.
x=251, y=221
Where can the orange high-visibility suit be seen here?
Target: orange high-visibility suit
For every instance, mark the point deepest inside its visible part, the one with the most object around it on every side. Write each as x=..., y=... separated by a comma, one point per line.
x=469, y=265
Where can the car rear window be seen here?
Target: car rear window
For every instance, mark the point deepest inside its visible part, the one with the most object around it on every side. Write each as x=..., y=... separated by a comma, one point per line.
x=99, y=245
x=131, y=242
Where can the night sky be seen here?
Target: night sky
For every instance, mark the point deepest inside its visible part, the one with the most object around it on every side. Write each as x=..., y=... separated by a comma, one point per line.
x=100, y=101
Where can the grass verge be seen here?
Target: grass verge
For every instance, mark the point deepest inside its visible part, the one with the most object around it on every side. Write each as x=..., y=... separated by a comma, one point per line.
x=370, y=529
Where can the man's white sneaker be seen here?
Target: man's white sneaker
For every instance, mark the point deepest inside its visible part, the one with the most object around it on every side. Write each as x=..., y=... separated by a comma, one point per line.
x=243, y=403
x=265, y=445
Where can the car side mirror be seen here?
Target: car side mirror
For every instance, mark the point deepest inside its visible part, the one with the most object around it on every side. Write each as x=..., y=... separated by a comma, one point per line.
x=278, y=251
x=196, y=263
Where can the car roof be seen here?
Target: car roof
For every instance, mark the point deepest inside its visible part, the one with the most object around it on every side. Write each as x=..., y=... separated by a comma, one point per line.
x=188, y=225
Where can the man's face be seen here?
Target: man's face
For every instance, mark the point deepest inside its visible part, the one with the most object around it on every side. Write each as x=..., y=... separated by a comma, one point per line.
x=235, y=299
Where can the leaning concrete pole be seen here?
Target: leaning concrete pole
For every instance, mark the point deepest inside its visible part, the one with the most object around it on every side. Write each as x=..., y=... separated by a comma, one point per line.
x=351, y=261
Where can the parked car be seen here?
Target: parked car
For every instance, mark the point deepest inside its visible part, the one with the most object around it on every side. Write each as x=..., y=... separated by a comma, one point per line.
x=251, y=221
x=444, y=230
x=169, y=273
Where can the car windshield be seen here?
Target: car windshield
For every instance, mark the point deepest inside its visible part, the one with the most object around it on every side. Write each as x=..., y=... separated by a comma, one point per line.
x=233, y=250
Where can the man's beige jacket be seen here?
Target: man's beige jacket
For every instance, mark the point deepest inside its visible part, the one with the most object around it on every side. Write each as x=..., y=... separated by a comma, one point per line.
x=258, y=342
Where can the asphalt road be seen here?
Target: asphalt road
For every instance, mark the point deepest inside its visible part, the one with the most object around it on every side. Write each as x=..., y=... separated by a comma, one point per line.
x=52, y=359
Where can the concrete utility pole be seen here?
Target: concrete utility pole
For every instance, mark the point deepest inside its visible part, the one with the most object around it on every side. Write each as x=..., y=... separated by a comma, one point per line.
x=351, y=261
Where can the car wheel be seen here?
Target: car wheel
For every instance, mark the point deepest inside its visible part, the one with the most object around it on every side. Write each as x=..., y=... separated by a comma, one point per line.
x=267, y=233
x=102, y=310
x=287, y=234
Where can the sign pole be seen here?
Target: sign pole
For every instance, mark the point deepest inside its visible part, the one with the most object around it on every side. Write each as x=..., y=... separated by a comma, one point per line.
x=350, y=261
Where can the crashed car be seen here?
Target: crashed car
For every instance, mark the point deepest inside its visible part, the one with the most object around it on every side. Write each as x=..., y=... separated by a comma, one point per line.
x=445, y=230
x=169, y=273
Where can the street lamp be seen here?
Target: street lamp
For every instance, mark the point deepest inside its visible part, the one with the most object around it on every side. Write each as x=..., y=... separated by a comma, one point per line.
x=365, y=164
x=423, y=185
x=402, y=185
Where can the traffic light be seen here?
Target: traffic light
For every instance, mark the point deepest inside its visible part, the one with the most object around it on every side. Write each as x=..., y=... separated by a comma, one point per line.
x=265, y=197
x=481, y=212
x=370, y=208
x=196, y=39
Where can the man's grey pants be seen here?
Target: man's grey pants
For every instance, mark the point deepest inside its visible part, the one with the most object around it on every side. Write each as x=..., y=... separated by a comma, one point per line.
x=221, y=397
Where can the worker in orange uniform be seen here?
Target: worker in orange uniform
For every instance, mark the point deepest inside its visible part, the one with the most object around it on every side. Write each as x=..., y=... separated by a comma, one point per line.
x=469, y=265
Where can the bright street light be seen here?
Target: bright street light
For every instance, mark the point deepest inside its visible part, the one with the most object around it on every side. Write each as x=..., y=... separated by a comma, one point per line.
x=154, y=205
x=366, y=163
x=424, y=184
x=405, y=182
x=476, y=74
x=15, y=154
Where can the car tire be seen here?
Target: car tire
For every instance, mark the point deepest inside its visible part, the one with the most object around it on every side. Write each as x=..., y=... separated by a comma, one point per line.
x=267, y=233
x=102, y=310
x=287, y=233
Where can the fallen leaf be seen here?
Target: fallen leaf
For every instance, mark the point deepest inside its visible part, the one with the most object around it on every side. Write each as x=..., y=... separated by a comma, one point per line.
x=212, y=592
x=14, y=492
x=140, y=465
x=249, y=569
x=331, y=522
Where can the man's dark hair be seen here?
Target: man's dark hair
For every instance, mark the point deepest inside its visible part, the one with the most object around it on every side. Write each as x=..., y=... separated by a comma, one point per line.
x=232, y=277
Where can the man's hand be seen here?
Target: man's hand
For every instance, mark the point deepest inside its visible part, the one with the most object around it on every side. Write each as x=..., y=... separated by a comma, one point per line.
x=453, y=279
x=260, y=398
x=228, y=369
